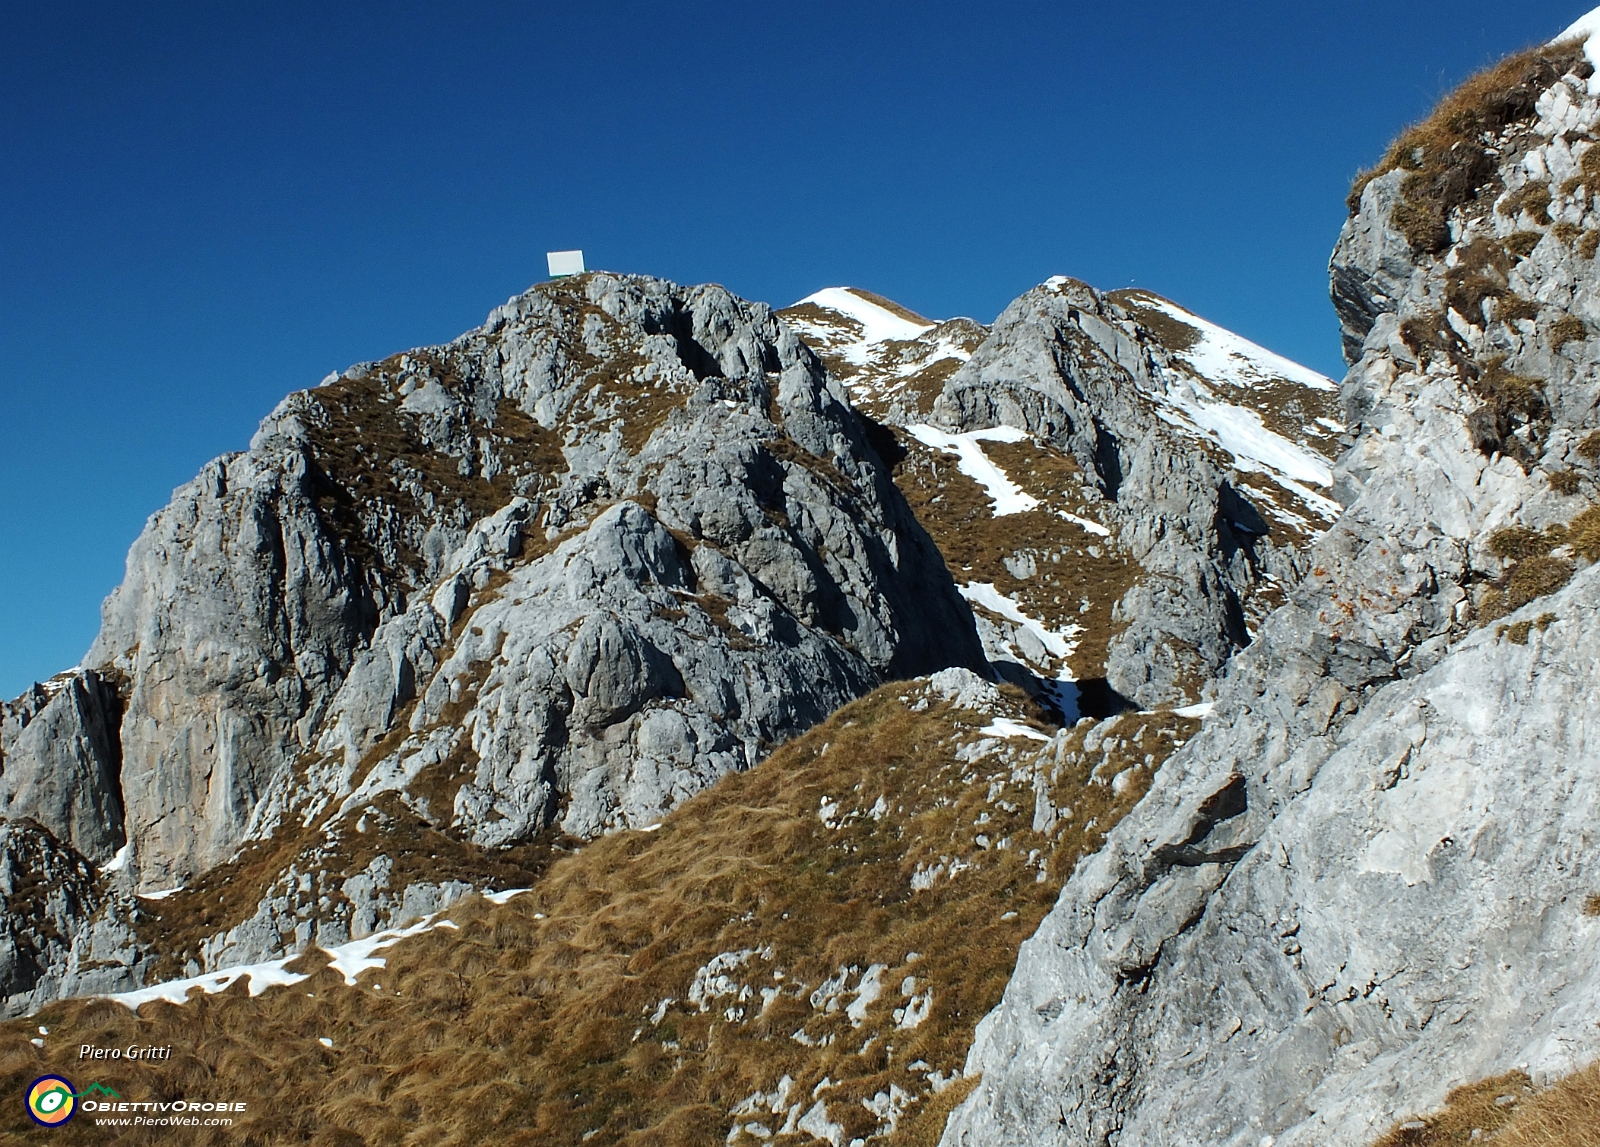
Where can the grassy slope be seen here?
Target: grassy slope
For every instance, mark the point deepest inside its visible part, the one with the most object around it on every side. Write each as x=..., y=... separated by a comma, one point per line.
x=542, y=1020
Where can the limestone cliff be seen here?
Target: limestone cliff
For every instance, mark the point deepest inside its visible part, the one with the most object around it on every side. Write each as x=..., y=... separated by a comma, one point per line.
x=1363, y=882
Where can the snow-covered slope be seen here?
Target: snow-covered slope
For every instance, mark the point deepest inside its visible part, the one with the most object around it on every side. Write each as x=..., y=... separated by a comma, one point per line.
x=1277, y=421
x=892, y=359
x=1586, y=28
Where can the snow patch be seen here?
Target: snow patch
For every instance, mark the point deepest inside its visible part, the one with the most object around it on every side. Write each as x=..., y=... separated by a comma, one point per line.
x=507, y=894
x=1587, y=28
x=1085, y=523
x=1202, y=710
x=350, y=960
x=119, y=862
x=984, y=593
x=1006, y=727
x=1007, y=496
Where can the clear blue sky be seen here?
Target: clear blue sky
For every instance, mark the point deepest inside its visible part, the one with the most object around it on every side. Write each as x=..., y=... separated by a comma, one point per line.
x=203, y=207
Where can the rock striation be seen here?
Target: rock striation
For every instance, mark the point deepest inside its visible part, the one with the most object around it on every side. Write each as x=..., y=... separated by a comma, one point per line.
x=1363, y=882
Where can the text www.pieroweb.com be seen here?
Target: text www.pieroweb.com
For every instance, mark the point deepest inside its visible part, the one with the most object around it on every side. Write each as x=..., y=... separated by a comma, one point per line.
x=155, y=1113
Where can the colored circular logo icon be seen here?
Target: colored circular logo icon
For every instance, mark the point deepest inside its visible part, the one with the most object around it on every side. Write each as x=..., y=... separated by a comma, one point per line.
x=51, y=1100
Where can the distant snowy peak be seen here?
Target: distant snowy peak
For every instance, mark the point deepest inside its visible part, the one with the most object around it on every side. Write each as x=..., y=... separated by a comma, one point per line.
x=861, y=320
x=1222, y=356
x=892, y=360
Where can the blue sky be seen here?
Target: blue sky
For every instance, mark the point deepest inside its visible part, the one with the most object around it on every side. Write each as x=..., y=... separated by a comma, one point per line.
x=204, y=207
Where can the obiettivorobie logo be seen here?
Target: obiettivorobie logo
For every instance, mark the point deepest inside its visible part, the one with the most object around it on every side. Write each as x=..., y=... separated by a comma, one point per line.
x=52, y=1101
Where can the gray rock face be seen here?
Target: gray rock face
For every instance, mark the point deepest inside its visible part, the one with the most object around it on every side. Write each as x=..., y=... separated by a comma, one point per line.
x=725, y=580
x=1080, y=370
x=1362, y=883
x=61, y=762
x=285, y=920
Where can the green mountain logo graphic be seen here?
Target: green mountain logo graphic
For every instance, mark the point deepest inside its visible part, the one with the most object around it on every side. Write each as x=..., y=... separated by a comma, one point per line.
x=96, y=1089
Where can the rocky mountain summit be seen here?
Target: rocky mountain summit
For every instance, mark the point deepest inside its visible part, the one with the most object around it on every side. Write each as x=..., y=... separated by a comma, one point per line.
x=555, y=576
x=1370, y=878
x=457, y=611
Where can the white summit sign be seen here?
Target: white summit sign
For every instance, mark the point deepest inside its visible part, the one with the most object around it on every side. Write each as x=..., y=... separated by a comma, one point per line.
x=564, y=263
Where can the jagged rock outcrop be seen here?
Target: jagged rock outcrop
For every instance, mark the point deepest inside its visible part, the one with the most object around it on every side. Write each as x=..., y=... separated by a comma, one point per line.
x=1363, y=883
x=566, y=570
x=297, y=599
x=62, y=933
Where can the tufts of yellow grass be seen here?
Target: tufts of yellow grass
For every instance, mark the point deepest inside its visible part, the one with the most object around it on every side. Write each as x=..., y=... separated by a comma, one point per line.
x=1445, y=154
x=1537, y=564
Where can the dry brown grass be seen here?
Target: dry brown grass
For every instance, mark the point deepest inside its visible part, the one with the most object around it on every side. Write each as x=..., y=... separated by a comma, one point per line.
x=1480, y=273
x=541, y=1021
x=1532, y=197
x=1566, y=1114
x=1522, y=243
x=1445, y=154
x=1564, y=482
x=1513, y=307
x=379, y=472
x=1567, y=329
x=1515, y=417
x=1467, y=1109
x=1535, y=570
